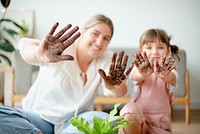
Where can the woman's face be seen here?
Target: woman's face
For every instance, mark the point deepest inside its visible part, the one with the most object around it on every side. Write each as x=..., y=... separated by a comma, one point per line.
x=95, y=40
x=155, y=51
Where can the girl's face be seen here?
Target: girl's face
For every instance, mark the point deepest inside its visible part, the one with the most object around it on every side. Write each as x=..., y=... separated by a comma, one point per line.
x=155, y=51
x=95, y=40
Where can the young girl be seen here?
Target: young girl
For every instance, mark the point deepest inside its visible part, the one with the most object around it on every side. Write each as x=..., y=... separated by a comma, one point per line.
x=154, y=76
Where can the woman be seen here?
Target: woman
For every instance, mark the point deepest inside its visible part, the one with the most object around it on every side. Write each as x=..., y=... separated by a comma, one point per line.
x=66, y=88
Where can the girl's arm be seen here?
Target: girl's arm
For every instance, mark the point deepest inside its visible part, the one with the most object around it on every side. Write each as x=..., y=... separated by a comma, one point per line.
x=143, y=67
x=138, y=76
x=171, y=78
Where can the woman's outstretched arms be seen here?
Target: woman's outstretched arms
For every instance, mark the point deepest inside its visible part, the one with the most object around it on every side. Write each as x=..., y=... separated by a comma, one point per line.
x=51, y=47
x=116, y=79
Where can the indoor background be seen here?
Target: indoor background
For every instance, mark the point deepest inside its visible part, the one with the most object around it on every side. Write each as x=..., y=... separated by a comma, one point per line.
x=180, y=18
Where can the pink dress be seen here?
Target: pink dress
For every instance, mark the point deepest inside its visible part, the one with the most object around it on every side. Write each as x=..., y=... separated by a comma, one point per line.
x=151, y=106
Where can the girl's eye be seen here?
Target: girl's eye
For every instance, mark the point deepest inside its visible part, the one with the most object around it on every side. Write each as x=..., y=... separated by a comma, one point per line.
x=148, y=47
x=160, y=47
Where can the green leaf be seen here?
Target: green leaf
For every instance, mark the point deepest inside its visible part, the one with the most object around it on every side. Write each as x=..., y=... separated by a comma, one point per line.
x=111, y=117
x=25, y=29
x=6, y=59
x=121, y=124
x=81, y=124
x=13, y=22
x=101, y=126
x=11, y=32
x=116, y=118
x=6, y=46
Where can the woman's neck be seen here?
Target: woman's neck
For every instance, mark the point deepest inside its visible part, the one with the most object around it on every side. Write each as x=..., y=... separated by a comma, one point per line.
x=83, y=59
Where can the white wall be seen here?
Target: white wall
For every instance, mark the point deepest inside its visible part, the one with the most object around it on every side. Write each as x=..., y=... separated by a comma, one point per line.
x=180, y=18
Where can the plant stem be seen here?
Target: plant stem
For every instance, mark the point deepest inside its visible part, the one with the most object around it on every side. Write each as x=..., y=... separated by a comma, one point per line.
x=3, y=16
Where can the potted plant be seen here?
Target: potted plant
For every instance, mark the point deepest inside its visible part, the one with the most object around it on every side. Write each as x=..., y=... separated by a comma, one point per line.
x=8, y=35
x=100, y=126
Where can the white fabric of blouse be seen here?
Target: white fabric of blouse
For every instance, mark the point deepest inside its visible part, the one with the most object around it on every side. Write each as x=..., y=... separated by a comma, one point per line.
x=59, y=90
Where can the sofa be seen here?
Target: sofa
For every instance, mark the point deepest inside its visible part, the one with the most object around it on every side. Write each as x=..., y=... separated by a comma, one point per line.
x=25, y=74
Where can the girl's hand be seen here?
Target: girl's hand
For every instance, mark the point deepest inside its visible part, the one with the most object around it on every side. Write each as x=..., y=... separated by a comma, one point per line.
x=145, y=67
x=164, y=67
x=117, y=75
x=52, y=46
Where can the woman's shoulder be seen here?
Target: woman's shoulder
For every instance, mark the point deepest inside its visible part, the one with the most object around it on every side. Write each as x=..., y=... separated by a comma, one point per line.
x=107, y=55
x=70, y=49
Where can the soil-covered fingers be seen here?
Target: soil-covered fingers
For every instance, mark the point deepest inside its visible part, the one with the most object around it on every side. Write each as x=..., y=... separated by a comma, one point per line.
x=119, y=60
x=71, y=40
x=140, y=59
x=69, y=34
x=170, y=62
x=170, y=66
x=145, y=57
x=53, y=28
x=103, y=75
x=58, y=58
x=137, y=60
x=61, y=33
x=167, y=62
x=129, y=69
x=125, y=60
x=157, y=66
x=52, y=37
x=112, y=65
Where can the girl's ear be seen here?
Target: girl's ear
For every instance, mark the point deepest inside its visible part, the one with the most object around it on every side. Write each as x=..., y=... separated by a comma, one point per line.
x=168, y=51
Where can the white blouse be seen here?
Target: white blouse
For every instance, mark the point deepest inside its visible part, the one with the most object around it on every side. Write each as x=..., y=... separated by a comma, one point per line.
x=59, y=92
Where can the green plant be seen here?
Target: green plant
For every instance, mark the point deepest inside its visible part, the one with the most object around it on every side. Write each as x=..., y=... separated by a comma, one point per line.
x=8, y=34
x=101, y=126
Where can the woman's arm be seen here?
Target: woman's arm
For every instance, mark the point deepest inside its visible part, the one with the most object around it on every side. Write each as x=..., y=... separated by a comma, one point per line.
x=116, y=79
x=28, y=49
x=51, y=47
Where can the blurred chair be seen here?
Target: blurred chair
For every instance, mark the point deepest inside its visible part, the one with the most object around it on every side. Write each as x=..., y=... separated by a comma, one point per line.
x=182, y=93
x=23, y=77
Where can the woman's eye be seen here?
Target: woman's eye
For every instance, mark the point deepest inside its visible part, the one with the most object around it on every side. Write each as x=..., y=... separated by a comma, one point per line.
x=95, y=34
x=107, y=39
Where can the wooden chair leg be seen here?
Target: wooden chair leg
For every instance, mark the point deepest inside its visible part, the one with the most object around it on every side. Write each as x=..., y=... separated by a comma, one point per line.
x=99, y=107
x=187, y=113
x=187, y=102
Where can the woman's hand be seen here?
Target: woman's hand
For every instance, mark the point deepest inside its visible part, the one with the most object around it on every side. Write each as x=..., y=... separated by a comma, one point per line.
x=117, y=74
x=52, y=46
x=164, y=67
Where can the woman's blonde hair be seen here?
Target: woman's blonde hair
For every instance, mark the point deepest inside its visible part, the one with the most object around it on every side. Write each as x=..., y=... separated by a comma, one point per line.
x=99, y=18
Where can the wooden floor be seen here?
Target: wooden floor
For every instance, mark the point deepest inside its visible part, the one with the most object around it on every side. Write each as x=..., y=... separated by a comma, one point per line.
x=179, y=126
